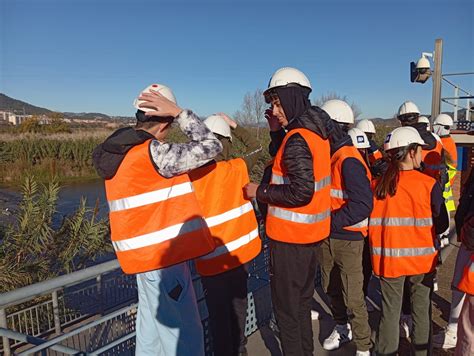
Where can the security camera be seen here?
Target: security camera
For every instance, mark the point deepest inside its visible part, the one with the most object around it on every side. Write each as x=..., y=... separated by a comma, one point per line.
x=421, y=71
x=423, y=66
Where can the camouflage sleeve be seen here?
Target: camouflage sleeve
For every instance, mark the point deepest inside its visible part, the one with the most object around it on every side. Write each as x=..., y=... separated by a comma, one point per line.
x=172, y=159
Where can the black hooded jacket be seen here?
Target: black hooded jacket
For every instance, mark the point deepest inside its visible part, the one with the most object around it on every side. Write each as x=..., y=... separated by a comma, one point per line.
x=298, y=160
x=108, y=156
x=430, y=140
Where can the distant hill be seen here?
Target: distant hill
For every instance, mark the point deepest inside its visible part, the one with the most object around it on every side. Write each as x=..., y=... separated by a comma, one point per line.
x=21, y=107
x=86, y=115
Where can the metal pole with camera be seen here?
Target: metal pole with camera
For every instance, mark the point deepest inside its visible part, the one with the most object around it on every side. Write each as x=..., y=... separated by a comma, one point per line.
x=437, y=76
x=420, y=72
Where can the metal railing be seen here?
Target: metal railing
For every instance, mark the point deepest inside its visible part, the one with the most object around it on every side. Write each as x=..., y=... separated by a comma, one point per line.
x=94, y=310
x=46, y=308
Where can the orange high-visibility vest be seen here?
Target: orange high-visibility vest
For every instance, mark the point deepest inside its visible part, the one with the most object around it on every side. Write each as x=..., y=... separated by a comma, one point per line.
x=155, y=222
x=401, y=231
x=432, y=160
x=450, y=146
x=375, y=156
x=466, y=284
x=338, y=192
x=229, y=216
x=309, y=223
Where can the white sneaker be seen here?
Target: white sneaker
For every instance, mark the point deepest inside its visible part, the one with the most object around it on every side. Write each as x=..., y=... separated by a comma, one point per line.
x=445, y=339
x=314, y=315
x=406, y=325
x=362, y=353
x=340, y=335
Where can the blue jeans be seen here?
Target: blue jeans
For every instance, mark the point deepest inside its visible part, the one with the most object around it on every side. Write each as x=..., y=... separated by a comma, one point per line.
x=168, y=321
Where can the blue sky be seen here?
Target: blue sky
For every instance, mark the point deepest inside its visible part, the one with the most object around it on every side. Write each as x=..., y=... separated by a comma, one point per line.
x=95, y=56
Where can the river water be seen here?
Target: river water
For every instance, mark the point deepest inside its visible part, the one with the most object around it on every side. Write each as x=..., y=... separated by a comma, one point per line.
x=68, y=201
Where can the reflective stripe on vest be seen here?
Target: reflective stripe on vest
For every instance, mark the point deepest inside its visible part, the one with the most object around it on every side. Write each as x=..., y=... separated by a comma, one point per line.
x=155, y=222
x=311, y=222
x=402, y=252
x=363, y=223
x=323, y=183
x=232, y=246
x=229, y=216
x=150, y=197
x=401, y=221
x=298, y=217
x=338, y=193
x=159, y=236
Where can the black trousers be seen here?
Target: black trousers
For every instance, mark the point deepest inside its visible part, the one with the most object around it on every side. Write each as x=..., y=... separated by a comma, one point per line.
x=293, y=270
x=226, y=299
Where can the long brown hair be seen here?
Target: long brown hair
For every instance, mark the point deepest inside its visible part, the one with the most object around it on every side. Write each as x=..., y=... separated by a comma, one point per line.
x=388, y=182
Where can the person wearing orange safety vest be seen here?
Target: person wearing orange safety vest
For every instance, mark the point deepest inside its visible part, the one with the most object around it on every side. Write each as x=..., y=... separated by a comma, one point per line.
x=298, y=199
x=156, y=222
x=441, y=127
x=368, y=128
x=408, y=213
x=433, y=154
x=341, y=254
x=234, y=228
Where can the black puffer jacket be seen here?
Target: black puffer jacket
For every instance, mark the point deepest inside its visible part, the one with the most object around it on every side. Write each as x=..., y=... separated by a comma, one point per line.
x=298, y=160
x=430, y=140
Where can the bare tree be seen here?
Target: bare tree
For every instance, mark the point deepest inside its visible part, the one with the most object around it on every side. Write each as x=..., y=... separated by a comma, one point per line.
x=252, y=111
x=332, y=95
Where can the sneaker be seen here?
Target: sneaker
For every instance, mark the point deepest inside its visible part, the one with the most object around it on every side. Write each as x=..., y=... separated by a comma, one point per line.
x=446, y=339
x=362, y=353
x=406, y=325
x=340, y=335
x=314, y=315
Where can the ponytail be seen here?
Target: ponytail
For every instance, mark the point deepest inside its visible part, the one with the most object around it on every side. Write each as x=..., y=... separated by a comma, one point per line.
x=387, y=184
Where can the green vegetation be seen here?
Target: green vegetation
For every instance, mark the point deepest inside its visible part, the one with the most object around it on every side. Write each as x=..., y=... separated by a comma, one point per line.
x=45, y=158
x=33, y=249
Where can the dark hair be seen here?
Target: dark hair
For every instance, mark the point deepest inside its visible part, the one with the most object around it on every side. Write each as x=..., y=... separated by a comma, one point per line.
x=147, y=122
x=408, y=119
x=388, y=182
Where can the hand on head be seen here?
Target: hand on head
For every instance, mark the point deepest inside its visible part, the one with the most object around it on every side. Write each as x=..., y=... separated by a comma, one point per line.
x=227, y=119
x=163, y=107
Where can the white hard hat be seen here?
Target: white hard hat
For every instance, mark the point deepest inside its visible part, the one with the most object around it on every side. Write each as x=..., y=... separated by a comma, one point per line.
x=408, y=107
x=359, y=138
x=402, y=137
x=425, y=120
x=366, y=126
x=444, y=120
x=160, y=88
x=288, y=75
x=339, y=111
x=217, y=125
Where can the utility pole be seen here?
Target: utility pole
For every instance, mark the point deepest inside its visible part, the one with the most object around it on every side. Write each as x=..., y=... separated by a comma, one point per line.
x=436, y=98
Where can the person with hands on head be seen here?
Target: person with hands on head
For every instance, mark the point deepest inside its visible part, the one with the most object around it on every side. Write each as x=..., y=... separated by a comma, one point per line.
x=156, y=222
x=298, y=199
x=234, y=228
x=224, y=127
